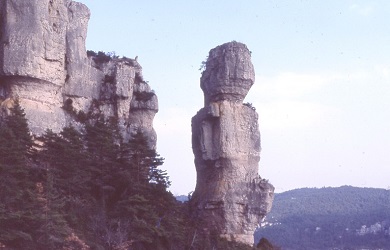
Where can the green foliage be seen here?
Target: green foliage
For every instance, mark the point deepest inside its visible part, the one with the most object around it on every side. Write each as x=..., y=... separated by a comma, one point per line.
x=328, y=217
x=64, y=156
x=101, y=57
x=90, y=188
x=248, y=104
x=91, y=53
x=79, y=116
x=109, y=79
x=143, y=96
x=68, y=105
x=17, y=122
x=102, y=141
x=20, y=209
x=144, y=162
x=203, y=65
x=82, y=117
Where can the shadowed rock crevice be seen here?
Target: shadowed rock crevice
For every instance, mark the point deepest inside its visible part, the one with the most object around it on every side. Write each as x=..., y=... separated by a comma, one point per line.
x=230, y=198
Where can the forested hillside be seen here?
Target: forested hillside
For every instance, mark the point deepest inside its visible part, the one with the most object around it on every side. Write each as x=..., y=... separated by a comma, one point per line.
x=329, y=218
x=87, y=188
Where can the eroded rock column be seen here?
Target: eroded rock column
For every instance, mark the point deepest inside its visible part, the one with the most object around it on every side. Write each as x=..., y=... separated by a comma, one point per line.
x=230, y=198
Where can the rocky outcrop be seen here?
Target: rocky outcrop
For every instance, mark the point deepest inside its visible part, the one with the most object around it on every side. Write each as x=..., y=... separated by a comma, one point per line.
x=230, y=198
x=44, y=63
x=229, y=74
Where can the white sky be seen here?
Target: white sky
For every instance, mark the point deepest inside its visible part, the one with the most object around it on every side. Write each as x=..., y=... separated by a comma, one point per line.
x=322, y=80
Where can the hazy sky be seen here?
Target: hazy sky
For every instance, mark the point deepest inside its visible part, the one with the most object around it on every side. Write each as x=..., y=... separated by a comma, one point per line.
x=322, y=86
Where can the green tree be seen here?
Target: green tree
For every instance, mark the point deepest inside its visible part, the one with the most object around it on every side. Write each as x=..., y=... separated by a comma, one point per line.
x=20, y=208
x=142, y=202
x=102, y=141
x=85, y=187
x=17, y=122
x=143, y=162
x=64, y=155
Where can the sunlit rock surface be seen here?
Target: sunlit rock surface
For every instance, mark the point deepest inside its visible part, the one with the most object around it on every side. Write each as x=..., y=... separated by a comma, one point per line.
x=44, y=63
x=230, y=198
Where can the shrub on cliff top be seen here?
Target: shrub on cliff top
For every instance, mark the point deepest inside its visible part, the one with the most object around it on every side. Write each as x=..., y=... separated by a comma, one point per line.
x=101, y=57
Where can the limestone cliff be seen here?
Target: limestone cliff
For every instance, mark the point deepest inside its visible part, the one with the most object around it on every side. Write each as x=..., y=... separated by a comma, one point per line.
x=44, y=63
x=230, y=198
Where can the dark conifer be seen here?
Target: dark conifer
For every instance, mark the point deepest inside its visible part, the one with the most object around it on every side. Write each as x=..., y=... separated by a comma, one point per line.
x=102, y=141
x=92, y=186
x=20, y=214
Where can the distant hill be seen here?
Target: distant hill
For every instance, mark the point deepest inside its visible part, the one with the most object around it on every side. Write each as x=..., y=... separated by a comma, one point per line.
x=182, y=198
x=329, y=218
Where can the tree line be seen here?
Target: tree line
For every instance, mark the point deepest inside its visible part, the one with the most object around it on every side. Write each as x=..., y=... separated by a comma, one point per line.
x=80, y=189
x=88, y=188
x=325, y=218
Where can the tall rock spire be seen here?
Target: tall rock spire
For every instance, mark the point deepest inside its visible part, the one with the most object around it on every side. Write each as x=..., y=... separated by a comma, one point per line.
x=230, y=198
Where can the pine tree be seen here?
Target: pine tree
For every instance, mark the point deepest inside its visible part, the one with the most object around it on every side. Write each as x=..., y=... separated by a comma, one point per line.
x=20, y=214
x=142, y=202
x=89, y=186
x=143, y=162
x=17, y=122
x=103, y=140
x=64, y=155
x=135, y=156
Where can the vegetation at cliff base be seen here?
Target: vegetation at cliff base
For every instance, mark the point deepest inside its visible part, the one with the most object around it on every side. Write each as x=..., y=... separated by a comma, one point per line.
x=88, y=188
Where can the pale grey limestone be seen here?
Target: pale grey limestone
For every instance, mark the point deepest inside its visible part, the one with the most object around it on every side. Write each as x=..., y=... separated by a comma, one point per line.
x=44, y=63
x=229, y=73
x=230, y=198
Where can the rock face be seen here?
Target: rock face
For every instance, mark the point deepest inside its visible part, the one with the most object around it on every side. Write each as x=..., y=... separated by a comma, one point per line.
x=43, y=62
x=229, y=74
x=230, y=198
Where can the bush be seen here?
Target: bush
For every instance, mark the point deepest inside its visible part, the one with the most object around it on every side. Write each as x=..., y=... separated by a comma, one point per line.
x=248, y=104
x=100, y=57
x=143, y=96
